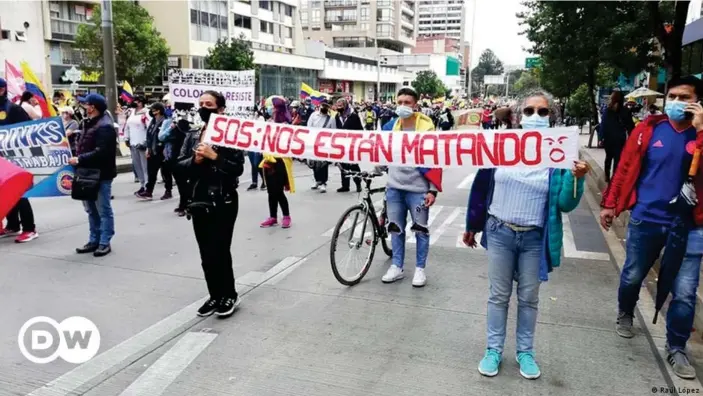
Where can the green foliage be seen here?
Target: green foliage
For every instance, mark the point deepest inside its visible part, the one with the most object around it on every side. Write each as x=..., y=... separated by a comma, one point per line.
x=230, y=54
x=578, y=105
x=528, y=80
x=488, y=65
x=426, y=82
x=141, y=54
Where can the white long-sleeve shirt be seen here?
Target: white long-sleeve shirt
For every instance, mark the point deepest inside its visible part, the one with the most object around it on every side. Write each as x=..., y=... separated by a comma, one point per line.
x=135, y=127
x=31, y=110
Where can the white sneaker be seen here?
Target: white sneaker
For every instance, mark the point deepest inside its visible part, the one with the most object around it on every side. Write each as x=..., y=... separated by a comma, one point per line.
x=323, y=188
x=393, y=274
x=419, y=279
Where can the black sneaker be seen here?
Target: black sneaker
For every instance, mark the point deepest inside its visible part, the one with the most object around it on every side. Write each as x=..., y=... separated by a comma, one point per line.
x=208, y=308
x=227, y=306
x=263, y=187
x=102, y=250
x=180, y=212
x=145, y=195
x=167, y=195
x=342, y=190
x=138, y=192
x=87, y=248
x=251, y=187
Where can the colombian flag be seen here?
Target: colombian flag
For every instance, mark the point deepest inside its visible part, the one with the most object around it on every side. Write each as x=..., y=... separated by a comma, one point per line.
x=126, y=92
x=33, y=85
x=315, y=96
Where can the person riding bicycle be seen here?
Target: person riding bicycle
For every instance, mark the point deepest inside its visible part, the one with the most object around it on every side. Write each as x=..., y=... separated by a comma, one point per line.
x=410, y=189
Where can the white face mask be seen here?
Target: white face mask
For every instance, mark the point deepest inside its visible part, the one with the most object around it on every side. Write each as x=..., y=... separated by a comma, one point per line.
x=404, y=111
x=534, y=121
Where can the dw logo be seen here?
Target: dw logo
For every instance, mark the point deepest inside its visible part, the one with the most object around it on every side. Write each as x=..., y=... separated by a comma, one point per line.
x=75, y=340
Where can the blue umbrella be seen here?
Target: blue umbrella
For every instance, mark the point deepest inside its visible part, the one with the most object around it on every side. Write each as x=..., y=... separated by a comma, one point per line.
x=678, y=236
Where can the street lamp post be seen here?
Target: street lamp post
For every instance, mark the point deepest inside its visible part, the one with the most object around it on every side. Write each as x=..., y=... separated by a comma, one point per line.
x=109, y=54
x=471, y=47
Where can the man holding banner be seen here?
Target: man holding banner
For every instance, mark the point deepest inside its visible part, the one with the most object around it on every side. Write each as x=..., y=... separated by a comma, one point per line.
x=20, y=219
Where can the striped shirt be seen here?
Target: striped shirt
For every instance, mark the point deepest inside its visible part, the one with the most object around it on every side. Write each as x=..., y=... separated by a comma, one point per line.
x=520, y=196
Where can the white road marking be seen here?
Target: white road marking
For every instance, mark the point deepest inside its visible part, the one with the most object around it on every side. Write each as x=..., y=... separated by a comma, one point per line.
x=273, y=275
x=434, y=235
x=285, y=272
x=570, y=245
x=378, y=205
x=434, y=211
x=466, y=183
x=114, y=359
x=158, y=377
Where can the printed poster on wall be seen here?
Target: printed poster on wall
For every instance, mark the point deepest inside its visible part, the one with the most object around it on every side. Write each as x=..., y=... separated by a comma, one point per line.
x=187, y=85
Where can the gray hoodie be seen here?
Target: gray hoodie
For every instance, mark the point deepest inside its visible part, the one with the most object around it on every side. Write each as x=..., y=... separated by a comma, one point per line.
x=319, y=120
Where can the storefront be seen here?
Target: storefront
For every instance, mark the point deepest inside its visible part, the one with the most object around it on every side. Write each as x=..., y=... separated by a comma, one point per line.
x=285, y=81
x=89, y=82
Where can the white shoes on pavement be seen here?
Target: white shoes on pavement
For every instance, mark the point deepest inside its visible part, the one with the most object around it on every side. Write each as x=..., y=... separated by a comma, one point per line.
x=395, y=273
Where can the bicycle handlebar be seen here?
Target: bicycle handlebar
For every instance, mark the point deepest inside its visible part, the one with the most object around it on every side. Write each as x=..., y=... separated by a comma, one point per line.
x=362, y=175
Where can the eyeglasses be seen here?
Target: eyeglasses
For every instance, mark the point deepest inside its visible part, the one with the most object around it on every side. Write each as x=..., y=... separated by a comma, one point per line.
x=542, y=111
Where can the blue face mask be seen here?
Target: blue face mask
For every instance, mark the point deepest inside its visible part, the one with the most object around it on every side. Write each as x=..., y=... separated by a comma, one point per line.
x=675, y=110
x=534, y=122
x=404, y=111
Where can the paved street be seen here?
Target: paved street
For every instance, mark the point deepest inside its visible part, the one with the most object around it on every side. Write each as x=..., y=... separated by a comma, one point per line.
x=298, y=331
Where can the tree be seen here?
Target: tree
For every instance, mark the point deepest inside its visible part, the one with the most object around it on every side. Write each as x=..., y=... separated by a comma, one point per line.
x=488, y=65
x=526, y=82
x=426, y=82
x=141, y=54
x=669, y=22
x=579, y=105
x=230, y=54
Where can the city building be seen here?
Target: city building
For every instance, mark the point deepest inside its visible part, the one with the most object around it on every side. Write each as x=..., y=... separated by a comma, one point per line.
x=363, y=26
x=61, y=20
x=22, y=36
x=447, y=68
x=441, y=17
x=272, y=27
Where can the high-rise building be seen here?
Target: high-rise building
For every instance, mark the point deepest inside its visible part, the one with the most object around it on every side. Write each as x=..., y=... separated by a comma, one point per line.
x=368, y=26
x=22, y=36
x=440, y=17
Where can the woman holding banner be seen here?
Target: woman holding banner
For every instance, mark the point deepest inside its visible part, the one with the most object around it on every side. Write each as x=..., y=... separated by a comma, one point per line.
x=519, y=212
x=278, y=171
x=213, y=175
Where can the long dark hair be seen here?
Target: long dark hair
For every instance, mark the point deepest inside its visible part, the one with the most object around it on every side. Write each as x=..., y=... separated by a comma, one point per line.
x=616, y=98
x=219, y=99
x=26, y=96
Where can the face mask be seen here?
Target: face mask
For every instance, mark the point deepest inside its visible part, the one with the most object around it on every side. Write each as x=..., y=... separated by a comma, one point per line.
x=269, y=111
x=534, y=121
x=674, y=109
x=205, y=114
x=404, y=111
x=169, y=112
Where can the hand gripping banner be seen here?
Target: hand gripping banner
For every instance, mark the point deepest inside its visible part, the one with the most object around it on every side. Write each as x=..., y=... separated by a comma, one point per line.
x=515, y=148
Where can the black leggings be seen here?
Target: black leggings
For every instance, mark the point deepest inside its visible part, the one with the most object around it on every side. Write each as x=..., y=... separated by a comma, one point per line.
x=213, y=231
x=612, y=156
x=276, y=180
x=21, y=215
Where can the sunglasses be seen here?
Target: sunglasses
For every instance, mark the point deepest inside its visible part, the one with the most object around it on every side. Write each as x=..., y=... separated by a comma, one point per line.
x=542, y=111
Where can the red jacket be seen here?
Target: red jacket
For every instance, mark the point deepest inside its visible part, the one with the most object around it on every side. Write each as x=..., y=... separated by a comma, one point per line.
x=621, y=193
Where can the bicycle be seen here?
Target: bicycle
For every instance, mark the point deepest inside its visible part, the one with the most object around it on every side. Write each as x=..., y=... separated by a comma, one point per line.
x=359, y=238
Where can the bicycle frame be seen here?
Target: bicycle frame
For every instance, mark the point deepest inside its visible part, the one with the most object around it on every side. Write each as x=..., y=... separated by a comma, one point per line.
x=369, y=210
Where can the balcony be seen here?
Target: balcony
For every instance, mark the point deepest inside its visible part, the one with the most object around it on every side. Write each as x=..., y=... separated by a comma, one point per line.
x=341, y=18
x=384, y=4
x=341, y=3
x=407, y=23
x=407, y=9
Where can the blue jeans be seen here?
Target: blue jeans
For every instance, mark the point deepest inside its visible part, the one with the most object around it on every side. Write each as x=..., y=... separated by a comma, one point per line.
x=254, y=160
x=399, y=203
x=645, y=241
x=512, y=255
x=100, y=217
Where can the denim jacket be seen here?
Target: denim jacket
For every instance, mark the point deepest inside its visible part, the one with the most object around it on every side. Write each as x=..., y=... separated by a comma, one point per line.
x=561, y=200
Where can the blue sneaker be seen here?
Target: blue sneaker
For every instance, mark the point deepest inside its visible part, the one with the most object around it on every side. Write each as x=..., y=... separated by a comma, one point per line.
x=528, y=367
x=490, y=363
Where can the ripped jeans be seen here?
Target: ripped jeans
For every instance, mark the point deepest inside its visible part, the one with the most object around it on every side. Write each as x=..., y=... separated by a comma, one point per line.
x=399, y=203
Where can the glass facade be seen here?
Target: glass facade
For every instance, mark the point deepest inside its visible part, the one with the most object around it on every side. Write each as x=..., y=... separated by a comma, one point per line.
x=285, y=81
x=691, y=58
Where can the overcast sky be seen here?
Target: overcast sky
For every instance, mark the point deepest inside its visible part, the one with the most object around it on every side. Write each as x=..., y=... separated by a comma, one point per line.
x=497, y=28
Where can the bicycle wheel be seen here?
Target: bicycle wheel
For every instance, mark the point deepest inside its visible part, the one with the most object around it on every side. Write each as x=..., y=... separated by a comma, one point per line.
x=353, y=233
x=382, y=231
x=386, y=249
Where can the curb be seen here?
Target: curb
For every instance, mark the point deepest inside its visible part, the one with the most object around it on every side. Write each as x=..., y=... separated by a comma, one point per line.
x=596, y=185
x=124, y=168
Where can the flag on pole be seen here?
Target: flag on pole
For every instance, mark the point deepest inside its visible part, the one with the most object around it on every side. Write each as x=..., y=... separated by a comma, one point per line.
x=316, y=97
x=33, y=85
x=126, y=92
x=15, y=81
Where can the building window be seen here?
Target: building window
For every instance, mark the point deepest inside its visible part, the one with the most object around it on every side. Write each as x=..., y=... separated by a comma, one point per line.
x=383, y=15
x=315, y=16
x=383, y=30
x=303, y=18
x=288, y=32
x=266, y=5
x=266, y=27
x=242, y=21
x=194, y=16
x=364, y=13
x=288, y=10
x=199, y=62
x=364, y=26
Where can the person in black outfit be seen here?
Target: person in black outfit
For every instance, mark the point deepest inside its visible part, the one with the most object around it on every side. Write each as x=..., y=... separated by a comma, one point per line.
x=180, y=131
x=348, y=119
x=96, y=149
x=155, y=155
x=20, y=220
x=616, y=126
x=213, y=175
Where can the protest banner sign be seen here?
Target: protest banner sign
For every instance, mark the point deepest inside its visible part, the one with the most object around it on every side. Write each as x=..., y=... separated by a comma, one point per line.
x=187, y=85
x=518, y=148
x=467, y=118
x=41, y=148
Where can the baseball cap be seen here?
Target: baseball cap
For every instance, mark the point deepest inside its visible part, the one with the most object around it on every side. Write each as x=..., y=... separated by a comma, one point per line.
x=3, y=83
x=96, y=100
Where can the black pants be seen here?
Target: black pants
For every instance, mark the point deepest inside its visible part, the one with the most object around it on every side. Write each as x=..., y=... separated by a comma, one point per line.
x=276, y=180
x=321, y=173
x=213, y=231
x=612, y=156
x=154, y=163
x=21, y=214
x=184, y=191
x=345, y=178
